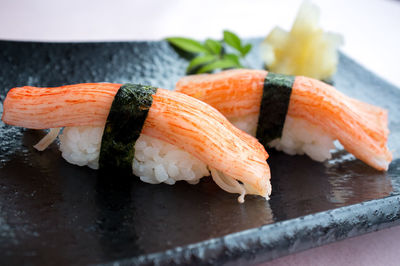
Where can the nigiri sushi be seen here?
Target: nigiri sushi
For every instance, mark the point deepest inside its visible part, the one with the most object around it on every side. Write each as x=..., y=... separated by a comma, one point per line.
x=160, y=135
x=295, y=114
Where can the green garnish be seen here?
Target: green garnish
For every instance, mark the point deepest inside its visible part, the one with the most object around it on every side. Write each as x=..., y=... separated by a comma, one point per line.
x=211, y=54
x=233, y=40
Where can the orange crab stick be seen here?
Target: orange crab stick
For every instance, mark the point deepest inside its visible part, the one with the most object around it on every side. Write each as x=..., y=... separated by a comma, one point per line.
x=361, y=128
x=190, y=124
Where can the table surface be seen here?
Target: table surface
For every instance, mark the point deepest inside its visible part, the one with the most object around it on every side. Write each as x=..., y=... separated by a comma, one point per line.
x=370, y=30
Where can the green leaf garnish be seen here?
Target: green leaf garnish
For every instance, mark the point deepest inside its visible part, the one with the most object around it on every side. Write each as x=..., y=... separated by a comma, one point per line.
x=188, y=45
x=246, y=49
x=213, y=46
x=232, y=40
x=234, y=58
x=200, y=60
x=211, y=54
x=220, y=64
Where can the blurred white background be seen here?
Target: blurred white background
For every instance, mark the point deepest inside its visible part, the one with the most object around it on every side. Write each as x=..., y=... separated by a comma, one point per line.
x=370, y=29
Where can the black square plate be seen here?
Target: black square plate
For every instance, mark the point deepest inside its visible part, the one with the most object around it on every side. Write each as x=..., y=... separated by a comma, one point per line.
x=55, y=213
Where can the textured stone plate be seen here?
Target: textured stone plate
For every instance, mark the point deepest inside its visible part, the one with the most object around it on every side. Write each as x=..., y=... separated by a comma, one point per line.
x=52, y=212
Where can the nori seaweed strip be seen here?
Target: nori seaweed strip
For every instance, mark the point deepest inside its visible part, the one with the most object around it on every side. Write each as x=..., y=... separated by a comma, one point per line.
x=124, y=124
x=274, y=106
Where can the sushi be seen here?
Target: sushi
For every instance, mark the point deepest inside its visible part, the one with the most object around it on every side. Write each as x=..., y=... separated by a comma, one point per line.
x=295, y=114
x=160, y=135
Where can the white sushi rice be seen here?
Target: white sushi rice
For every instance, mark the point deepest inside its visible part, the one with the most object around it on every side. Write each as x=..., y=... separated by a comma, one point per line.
x=302, y=137
x=155, y=161
x=81, y=145
x=298, y=137
x=246, y=123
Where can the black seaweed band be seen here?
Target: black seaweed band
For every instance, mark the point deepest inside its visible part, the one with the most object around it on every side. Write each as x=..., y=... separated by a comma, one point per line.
x=124, y=124
x=274, y=106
